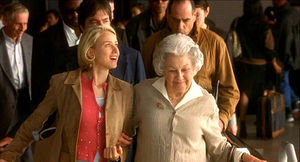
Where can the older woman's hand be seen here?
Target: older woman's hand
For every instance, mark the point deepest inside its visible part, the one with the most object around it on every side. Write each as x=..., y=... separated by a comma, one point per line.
x=250, y=158
x=113, y=153
x=124, y=140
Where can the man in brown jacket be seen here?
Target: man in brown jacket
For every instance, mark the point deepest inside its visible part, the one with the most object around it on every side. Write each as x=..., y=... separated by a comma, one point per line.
x=217, y=65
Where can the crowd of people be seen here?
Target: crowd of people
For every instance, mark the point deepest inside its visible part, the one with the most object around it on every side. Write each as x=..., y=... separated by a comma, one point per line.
x=161, y=87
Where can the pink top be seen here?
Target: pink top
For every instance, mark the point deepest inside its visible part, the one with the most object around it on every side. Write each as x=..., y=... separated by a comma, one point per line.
x=91, y=137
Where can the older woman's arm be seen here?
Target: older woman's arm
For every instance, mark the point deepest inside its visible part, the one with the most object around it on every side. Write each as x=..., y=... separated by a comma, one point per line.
x=217, y=145
x=34, y=122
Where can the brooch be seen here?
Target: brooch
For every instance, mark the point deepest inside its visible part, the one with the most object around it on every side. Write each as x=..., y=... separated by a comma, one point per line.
x=160, y=105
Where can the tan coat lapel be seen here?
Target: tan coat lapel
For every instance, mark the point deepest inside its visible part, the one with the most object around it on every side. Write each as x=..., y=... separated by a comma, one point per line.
x=75, y=79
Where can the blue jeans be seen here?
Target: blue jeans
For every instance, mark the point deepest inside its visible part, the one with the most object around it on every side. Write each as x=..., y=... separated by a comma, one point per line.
x=289, y=94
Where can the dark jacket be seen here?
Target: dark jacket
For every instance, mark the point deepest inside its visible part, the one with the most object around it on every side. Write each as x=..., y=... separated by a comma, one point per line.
x=130, y=65
x=51, y=55
x=140, y=28
x=287, y=36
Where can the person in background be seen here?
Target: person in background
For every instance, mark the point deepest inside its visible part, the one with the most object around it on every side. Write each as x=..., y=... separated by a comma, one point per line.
x=93, y=108
x=122, y=37
x=287, y=36
x=217, y=64
x=270, y=15
x=54, y=50
x=130, y=65
x=15, y=74
x=147, y=23
x=202, y=11
x=177, y=118
x=52, y=17
x=257, y=44
x=137, y=9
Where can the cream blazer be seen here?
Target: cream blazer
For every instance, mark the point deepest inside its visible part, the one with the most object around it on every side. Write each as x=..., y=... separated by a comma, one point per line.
x=188, y=132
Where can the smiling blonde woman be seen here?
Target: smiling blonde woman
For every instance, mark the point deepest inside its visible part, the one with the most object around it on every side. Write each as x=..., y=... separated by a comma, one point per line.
x=93, y=108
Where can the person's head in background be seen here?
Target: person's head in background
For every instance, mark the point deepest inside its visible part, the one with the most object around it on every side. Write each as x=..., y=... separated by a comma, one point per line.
x=279, y=3
x=15, y=20
x=69, y=13
x=112, y=8
x=52, y=17
x=137, y=9
x=253, y=8
x=2, y=4
x=94, y=13
x=158, y=7
x=181, y=16
x=270, y=15
x=202, y=11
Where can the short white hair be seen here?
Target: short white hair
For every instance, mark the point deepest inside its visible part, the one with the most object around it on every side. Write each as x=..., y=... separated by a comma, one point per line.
x=179, y=45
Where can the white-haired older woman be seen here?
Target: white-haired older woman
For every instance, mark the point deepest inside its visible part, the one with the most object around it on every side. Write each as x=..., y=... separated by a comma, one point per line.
x=177, y=119
x=93, y=108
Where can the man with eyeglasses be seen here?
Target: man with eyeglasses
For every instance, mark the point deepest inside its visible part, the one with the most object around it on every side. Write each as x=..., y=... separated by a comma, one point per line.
x=147, y=23
x=55, y=50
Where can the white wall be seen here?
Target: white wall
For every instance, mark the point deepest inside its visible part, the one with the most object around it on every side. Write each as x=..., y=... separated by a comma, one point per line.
x=224, y=11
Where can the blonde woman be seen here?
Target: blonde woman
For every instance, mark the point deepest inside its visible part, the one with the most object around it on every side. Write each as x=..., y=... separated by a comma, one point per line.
x=93, y=108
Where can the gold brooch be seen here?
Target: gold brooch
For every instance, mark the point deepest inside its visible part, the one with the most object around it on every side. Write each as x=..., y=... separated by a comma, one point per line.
x=160, y=105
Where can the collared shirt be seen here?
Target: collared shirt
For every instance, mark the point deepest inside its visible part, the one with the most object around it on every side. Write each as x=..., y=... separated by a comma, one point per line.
x=71, y=36
x=14, y=50
x=194, y=92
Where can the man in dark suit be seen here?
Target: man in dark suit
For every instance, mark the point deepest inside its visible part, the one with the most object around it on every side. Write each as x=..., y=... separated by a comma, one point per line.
x=15, y=72
x=55, y=50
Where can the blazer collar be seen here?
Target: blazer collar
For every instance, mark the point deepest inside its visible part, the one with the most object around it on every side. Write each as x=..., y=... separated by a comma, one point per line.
x=74, y=78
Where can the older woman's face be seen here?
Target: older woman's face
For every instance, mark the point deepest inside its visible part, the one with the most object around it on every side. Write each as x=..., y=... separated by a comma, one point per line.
x=106, y=51
x=179, y=73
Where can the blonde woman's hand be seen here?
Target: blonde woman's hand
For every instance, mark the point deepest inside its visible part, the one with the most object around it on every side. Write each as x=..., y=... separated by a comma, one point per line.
x=124, y=140
x=250, y=158
x=1, y=160
x=113, y=153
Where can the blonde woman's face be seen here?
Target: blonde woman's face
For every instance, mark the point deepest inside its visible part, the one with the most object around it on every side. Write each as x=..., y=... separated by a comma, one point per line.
x=106, y=51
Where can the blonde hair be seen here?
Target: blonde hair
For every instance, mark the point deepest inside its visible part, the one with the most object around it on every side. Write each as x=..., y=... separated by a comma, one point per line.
x=88, y=40
x=179, y=45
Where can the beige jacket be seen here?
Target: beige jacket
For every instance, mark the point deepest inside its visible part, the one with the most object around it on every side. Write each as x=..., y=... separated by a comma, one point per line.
x=217, y=66
x=64, y=96
x=185, y=133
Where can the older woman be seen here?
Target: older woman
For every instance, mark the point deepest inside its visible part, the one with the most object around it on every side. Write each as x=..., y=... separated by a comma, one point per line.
x=178, y=119
x=93, y=108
